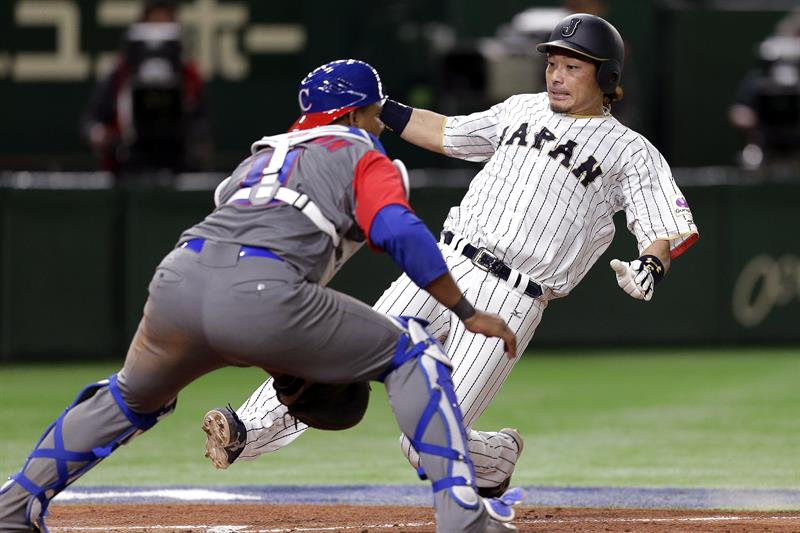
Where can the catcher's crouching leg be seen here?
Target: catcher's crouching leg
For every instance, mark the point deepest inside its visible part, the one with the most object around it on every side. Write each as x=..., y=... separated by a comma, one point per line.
x=424, y=401
x=90, y=429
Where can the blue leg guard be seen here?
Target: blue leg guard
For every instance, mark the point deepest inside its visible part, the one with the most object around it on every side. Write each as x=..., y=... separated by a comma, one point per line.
x=101, y=421
x=449, y=437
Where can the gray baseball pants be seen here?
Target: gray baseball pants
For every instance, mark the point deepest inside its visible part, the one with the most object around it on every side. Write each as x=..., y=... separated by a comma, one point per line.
x=213, y=309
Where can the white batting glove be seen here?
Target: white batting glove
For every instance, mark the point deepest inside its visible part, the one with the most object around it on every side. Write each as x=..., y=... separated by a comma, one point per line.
x=634, y=278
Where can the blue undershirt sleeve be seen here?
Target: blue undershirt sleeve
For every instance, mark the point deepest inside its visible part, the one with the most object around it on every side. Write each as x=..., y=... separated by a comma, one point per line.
x=407, y=239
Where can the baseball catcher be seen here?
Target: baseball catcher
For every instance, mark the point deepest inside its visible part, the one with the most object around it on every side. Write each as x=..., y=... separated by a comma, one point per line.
x=247, y=286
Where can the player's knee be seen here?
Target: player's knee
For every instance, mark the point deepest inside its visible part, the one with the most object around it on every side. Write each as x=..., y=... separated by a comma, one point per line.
x=414, y=343
x=142, y=412
x=141, y=397
x=418, y=354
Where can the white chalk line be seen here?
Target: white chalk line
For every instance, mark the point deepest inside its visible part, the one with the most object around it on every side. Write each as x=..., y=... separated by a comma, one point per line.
x=241, y=529
x=720, y=518
x=199, y=495
x=247, y=529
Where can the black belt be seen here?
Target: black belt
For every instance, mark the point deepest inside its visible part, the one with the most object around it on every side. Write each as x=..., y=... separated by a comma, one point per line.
x=486, y=260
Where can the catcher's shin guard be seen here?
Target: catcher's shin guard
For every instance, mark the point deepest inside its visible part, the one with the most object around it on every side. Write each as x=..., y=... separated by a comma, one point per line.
x=424, y=400
x=90, y=429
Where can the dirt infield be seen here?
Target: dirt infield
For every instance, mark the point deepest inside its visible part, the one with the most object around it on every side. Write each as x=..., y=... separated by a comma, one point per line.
x=260, y=518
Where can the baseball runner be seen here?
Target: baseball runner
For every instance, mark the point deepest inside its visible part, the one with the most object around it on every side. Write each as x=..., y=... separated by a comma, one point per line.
x=533, y=222
x=246, y=287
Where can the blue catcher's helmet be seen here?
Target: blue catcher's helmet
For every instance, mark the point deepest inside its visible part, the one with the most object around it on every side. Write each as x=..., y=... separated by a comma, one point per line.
x=334, y=89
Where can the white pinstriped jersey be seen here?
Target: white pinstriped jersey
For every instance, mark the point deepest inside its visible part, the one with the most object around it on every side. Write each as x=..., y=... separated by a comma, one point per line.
x=544, y=201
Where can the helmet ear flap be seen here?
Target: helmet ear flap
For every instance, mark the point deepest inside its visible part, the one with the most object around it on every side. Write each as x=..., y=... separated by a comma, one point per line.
x=609, y=74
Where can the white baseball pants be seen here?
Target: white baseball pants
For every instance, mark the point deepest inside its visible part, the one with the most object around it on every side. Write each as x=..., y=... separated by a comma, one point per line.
x=480, y=366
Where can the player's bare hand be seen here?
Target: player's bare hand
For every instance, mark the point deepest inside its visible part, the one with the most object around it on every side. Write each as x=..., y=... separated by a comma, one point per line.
x=493, y=326
x=634, y=278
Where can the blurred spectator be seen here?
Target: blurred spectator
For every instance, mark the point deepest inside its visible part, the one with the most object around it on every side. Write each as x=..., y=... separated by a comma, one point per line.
x=494, y=68
x=148, y=115
x=766, y=106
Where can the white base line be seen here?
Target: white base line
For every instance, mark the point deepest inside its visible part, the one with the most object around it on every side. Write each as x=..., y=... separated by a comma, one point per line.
x=241, y=529
x=246, y=529
x=721, y=518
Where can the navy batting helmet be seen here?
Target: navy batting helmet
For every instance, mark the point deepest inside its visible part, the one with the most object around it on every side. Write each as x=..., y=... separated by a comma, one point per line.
x=334, y=89
x=594, y=38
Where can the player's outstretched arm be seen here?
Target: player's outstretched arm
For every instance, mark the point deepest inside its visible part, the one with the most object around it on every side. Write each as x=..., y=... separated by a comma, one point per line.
x=383, y=214
x=417, y=126
x=639, y=277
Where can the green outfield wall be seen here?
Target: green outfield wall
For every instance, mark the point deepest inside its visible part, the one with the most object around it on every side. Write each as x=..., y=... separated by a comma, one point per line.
x=75, y=264
x=681, y=72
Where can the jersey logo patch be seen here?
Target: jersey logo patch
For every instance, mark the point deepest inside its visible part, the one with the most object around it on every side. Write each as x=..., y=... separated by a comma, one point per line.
x=569, y=29
x=681, y=207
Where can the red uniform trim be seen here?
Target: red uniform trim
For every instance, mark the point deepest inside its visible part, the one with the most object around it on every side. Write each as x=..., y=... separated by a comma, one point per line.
x=682, y=247
x=377, y=183
x=320, y=118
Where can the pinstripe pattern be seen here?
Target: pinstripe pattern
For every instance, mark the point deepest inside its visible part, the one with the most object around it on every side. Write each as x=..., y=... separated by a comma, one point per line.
x=480, y=366
x=529, y=208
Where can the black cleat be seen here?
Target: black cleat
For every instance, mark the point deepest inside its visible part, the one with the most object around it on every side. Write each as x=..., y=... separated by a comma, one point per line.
x=225, y=436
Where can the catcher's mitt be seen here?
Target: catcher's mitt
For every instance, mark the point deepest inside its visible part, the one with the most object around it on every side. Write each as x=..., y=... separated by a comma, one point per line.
x=323, y=406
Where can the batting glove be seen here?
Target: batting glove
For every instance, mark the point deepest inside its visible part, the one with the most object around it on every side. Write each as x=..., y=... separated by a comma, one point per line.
x=634, y=278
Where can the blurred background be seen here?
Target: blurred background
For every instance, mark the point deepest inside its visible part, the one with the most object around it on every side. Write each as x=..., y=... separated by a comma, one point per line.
x=119, y=117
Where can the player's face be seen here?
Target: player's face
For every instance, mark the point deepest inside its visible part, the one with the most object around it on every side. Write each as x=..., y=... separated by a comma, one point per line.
x=572, y=84
x=368, y=118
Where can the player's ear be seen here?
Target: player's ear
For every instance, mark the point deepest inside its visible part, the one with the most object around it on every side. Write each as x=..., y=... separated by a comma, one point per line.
x=355, y=117
x=348, y=120
x=351, y=118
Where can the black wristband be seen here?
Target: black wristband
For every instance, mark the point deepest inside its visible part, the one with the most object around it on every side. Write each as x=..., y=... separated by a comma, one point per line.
x=463, y=309
x=654, y=265
x=396, y=115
